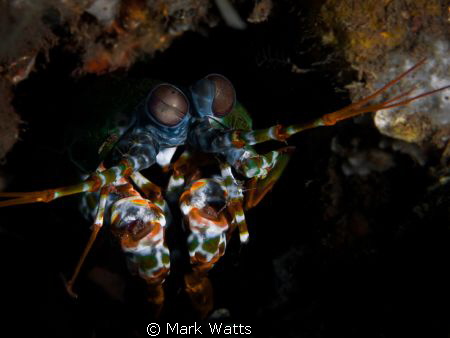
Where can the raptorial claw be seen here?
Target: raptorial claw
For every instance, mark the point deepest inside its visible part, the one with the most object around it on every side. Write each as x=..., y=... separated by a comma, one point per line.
x=257, y=188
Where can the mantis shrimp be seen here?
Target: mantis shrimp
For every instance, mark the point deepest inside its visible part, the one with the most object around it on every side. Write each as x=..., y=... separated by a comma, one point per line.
x=136, y=209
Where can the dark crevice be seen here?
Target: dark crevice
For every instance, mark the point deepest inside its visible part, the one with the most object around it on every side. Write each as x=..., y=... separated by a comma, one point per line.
x=308, y=271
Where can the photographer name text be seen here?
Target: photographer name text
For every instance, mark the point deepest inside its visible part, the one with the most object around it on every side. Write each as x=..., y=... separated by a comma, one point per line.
x=155, y=329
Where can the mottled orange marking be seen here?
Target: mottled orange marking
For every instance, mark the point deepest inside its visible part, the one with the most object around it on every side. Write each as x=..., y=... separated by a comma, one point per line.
x=140, y=202
x=101, y=167
x=127, y=242
x=200, y=258
x=280, y=133
x=156, y=229
x=128, y=170
x=236, y=139
x=157, y=210
x=96, y=183
x=185, y=197
x=127, y=190
x=197, y=185
x=329, y=119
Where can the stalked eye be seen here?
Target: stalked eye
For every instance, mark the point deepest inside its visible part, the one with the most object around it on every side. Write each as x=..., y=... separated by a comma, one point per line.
x=167, y=104
x=224, y=95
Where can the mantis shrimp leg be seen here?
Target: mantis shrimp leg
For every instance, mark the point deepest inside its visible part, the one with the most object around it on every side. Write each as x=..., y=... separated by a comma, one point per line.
x=150, y=190
x=258, y=187
x=94, y=183
x=177, y=181
x=235, y=202
x=98, y=223
x=139, y=224
x=212, y=209
x=202, y=206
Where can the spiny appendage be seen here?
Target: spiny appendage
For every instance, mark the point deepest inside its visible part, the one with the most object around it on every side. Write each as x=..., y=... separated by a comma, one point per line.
x=175, y=185
x=98, y=223
x=258, y=187
x=140, y=227
x=182, y=168
x=208, y=226
x=280, y=133
x=206, y=246
x=149, y=189
x=154, y=267
x=95, y=182
x=205, y=249
x=235, y=201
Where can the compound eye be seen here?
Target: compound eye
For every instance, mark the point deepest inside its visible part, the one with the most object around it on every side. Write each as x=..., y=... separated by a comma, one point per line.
x=167, y=104
x=224, y=95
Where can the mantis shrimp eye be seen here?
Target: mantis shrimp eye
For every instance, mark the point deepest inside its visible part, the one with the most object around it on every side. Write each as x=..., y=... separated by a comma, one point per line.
x=213, y=95
x=224, y=95
x=167, y=104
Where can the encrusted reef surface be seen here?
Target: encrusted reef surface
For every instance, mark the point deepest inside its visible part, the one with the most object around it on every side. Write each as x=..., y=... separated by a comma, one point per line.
x=105, y=34
x=382, y=38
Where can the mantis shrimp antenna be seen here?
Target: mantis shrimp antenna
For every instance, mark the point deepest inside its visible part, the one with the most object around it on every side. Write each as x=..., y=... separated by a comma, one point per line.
x=94, y=183
x=240, y=138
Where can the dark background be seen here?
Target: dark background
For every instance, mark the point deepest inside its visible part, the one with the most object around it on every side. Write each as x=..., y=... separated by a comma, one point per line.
x=330, y=255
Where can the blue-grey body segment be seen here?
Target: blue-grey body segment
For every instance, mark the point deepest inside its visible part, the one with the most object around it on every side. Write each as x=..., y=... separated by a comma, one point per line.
x=202, y=95
x=204, y=137
x=146, y=137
